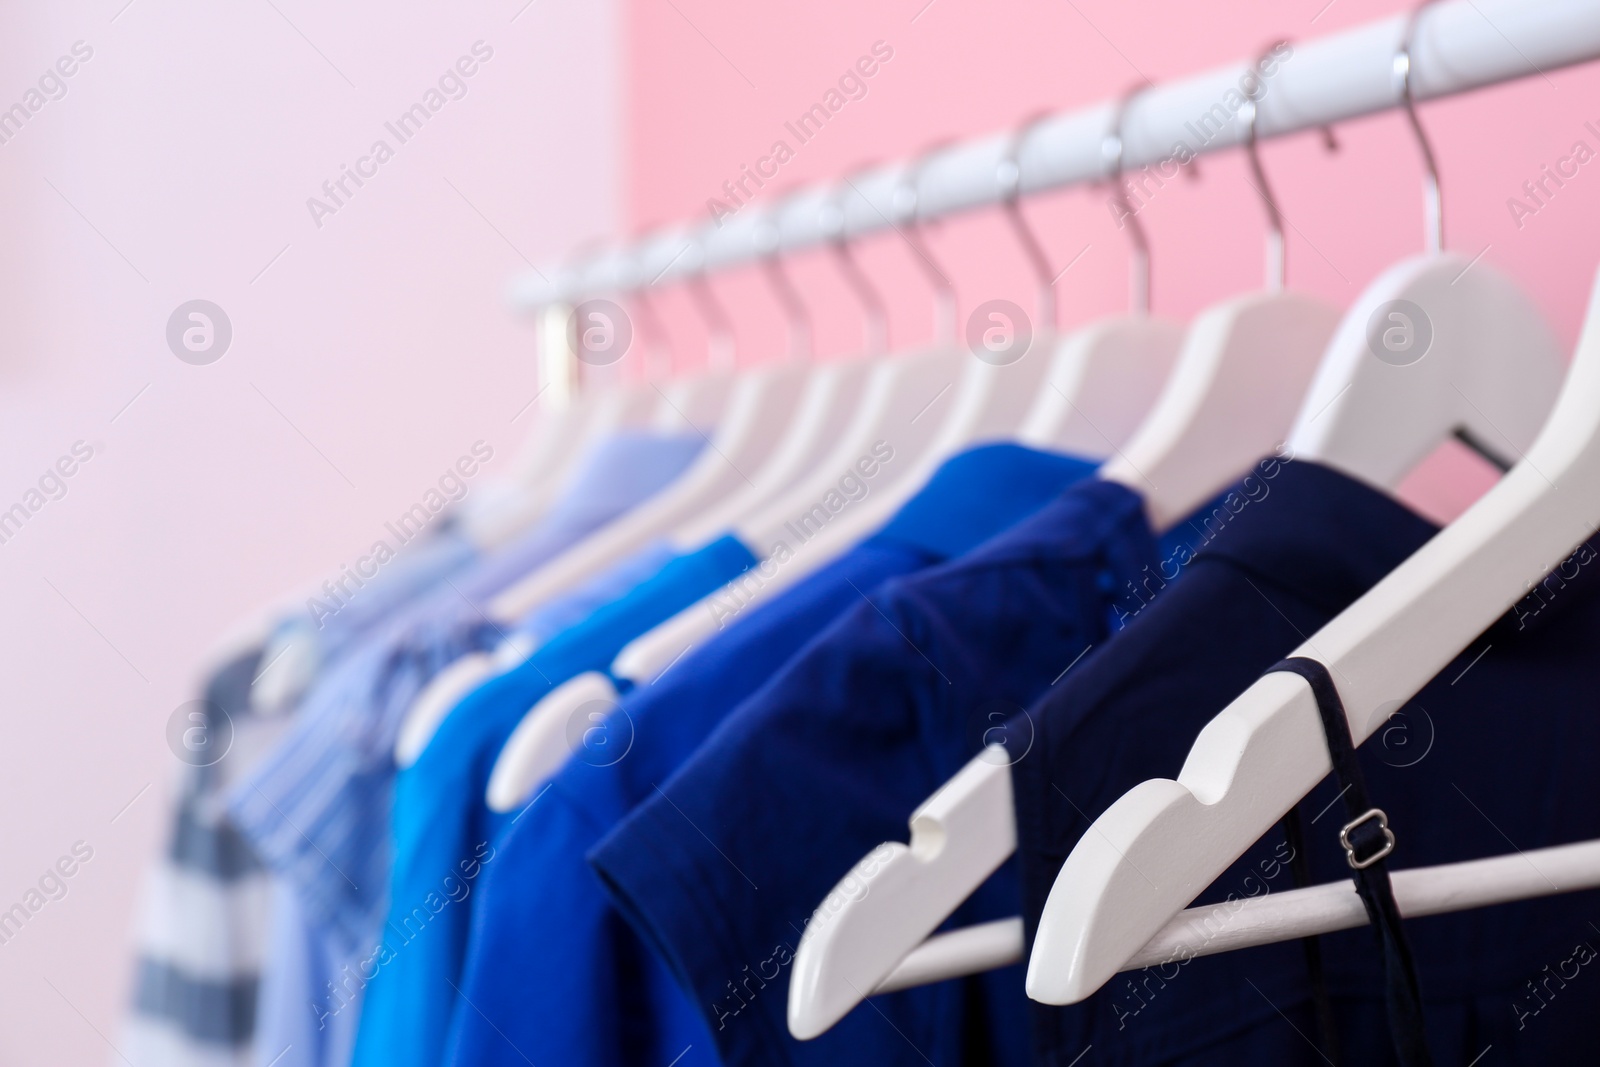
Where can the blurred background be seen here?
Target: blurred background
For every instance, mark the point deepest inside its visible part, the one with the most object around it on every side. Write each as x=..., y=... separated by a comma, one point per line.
x=185, y=158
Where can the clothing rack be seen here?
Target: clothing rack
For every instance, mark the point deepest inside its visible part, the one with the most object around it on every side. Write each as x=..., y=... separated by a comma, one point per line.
x=1459, y=45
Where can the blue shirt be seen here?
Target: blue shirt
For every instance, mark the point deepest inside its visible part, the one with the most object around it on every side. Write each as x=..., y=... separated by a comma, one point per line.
x=1496, y=754
x=443, y=828
x=316, y=810
x=829, y=759
x=553, y=972
x=615, y=582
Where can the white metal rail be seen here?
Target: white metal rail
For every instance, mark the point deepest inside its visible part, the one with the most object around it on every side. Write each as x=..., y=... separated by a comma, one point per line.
x=1459, y=45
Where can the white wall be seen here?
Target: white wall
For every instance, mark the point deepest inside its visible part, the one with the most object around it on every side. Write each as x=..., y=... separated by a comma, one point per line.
x=367, y=354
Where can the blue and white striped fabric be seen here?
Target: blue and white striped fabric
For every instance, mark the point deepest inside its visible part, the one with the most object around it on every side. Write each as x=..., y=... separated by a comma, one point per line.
x=202, y=926
x=205, y=925
x=317, y=809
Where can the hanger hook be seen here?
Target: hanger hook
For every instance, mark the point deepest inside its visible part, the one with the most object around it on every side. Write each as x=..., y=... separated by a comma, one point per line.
x=1433, y=201
x=875, y=322
x=906, y=207
x=661, y=360
x=769, y=238
x=578, y=261
x=1113, y=150
x=1277, y=268
x=721, y=353
x=1009, y=174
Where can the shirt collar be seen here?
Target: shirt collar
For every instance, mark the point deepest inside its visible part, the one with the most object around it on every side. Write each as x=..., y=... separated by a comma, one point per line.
x=1303, y=526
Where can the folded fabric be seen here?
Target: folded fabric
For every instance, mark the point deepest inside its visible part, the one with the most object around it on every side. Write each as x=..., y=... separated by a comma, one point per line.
x=553, y=973
x=1493, y=756
x=722, y=868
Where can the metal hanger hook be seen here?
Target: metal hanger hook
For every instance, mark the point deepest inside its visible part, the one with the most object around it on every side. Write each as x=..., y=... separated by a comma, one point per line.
x=581, y=261
x=1277, y=268
x=1009, y=175
x=661, y=358
x=1433, y=199
x=1113, y=150
x=797, y=318
x=906, y=209
x=721, y=351
x=875, y=321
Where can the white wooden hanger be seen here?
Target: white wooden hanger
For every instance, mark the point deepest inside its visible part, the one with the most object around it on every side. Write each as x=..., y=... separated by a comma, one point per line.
x=442, y=692
x=795, y=533
x=894, y=393
x=556, y=450
x=539, y=745
x=694, y=402
x=826, y=407
x=1200, y=434
x=1104, y=378
x=690, y=403
x=553, y=455
x=599, y=409
x=496, y=515
x=997, y=402
x=833, y=393
x=591, y=383
x=759, y=409
x=1164, y=841
x=502, y=507
x=1265, y=750
x=1222, y=408
x=999, y=387
x=1113, y=367
x=562, y=437
x=899, y=391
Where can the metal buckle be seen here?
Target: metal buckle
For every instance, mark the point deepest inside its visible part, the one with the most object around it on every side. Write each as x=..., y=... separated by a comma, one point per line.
x=1349, y=849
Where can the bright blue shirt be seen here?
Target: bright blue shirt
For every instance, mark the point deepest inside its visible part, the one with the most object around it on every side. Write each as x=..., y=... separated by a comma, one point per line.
x=829, y=759
x=442, y=827
x=316, y=809
x=553, y=972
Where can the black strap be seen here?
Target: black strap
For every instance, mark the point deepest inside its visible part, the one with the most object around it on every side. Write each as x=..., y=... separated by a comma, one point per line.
x=1367, y=840
x=1300, y=867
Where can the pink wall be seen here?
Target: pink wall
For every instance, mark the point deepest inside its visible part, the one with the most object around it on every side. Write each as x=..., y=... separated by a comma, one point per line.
x=190, y=142
x=377, y=347
x=712, y=83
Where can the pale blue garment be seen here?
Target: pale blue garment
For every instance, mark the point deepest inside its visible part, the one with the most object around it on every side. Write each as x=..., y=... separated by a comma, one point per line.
x=335, y=618
x=418, y=565
x=317, y=809
x=287, y=1034
x=195, y=995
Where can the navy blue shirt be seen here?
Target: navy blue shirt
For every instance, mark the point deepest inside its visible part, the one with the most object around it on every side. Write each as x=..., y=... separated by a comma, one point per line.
x=553, y=972
x=829, y=759
x=1496, y=753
